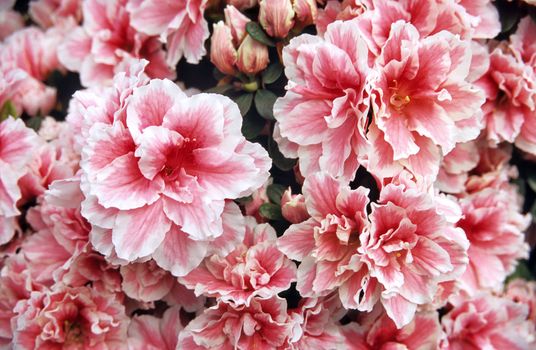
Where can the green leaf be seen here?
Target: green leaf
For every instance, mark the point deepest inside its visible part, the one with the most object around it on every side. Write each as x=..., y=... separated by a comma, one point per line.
x=255, y=30
x=271, y=211
x=279, y=159
x=531, y=180
x=244, y=102
x=252, y=125
x=264, y=103
x=272, y=73
x=521, y=271
x=521, y=186
x=220, y=89
x=8, y=109
x=34, y=123
x=275, y=192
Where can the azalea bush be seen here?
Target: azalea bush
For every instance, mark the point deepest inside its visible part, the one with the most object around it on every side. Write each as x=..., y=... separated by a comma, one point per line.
x=267, y=174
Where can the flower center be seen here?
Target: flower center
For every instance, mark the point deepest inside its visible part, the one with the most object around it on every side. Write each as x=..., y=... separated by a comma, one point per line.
x=73, y=332
x=179, y=157
x=399, y=101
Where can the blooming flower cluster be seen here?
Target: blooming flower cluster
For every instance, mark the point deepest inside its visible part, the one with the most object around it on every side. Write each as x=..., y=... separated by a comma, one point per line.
x=267, y=174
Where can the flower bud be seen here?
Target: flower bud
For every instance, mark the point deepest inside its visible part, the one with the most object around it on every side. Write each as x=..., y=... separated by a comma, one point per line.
x=276, y=17
x=306, y=11
x=293, y=207
x=252, y=56
x=242, y=4
x=222, y=52
x=237, y=22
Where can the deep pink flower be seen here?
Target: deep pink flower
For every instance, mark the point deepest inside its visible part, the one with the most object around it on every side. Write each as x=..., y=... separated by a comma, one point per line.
x=48, y=13
x=70, y=317
x=17, y=142
x=494, y=225
x=255, y=268
x=263, y=325
x=179, y=159
x=180, y=24
x=324, y=110
x=485, y=322
x=149, y=332
x=377, y=331
x=420, y=99
x=105, y=41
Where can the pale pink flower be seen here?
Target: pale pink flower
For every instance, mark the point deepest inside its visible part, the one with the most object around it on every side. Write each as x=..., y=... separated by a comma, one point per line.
x=263, y=325
x=315, y=324
x=15, y=284
x=180, y=25
x=146, y=281
x=510, y=87
x=70, y=317
x=30, y=50
x=483, y=17
x=293, y=207
x=485, y=322
x=420, y=98
x=149, y=332
x=47, y=13
x=17, y=143
x=377, y=331
x=411, y=248
x=523, y=292
x=255, y=268
x=105, y=41
x=324, y=111
x=455, y=167
x=336, y=10
x=10, y=22
x=179, y=159
x=327, y=243
x=494, y=226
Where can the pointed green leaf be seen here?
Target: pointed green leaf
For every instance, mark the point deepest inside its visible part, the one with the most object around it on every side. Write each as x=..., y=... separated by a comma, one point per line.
x=275, y=192
x=255, y=30
x=271, y=211
x=272, y=73
x=264, y=103
x=244, y=102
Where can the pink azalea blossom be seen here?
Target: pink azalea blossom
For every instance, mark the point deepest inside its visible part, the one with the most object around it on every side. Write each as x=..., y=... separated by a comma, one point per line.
x=324, y=110
x=180, y=25
x=262, y=325
x=523, y=292
x=420, y=99
x=315, y=324
x=258, y=198
x=176, y=174
x=412, y=247
x=149, y=332
x=70, y=317
x=47, y=13
x=255, y=268
x=510, y=87
x=146, y=281
x=17, y=142
x=327, y=243
x=30, y=50
x=105, y=41
x=485, y=322
x=377, y=331
x=494, y=225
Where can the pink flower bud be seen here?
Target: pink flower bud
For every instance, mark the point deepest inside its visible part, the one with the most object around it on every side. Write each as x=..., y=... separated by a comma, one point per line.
x=252, y=56
x=222, y=51
x=293, y=207
x=237, y=22
x=306, y=11
x=276, y=17
x=242, y=4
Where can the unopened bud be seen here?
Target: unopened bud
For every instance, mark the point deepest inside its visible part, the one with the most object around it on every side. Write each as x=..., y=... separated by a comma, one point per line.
x=276, y=17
